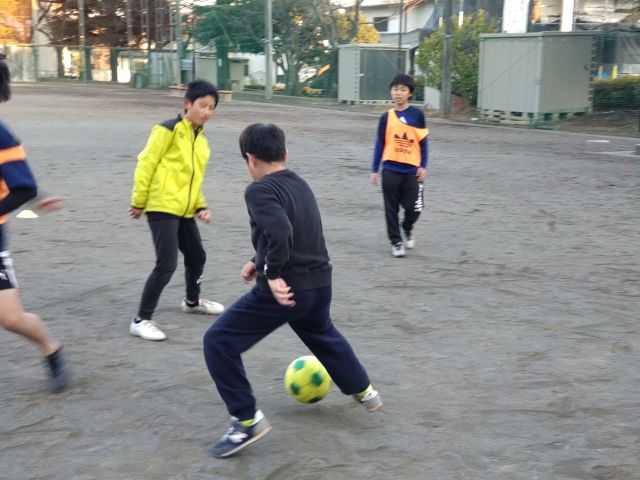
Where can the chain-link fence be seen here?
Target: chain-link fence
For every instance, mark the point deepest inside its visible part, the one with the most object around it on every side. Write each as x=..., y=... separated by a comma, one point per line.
x=615, y=93
x=617, y=71
x=139, y=68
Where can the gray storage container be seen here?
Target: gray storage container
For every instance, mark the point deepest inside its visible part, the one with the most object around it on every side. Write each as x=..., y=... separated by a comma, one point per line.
x=365, y=71
x=535, y=73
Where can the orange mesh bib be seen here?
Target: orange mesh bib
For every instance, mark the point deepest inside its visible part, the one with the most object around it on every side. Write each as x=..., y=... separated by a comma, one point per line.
x=402, y=141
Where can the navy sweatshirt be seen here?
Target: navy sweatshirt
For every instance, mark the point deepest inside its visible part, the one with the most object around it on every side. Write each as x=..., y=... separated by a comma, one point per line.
x=17, y=184
x=286, y=232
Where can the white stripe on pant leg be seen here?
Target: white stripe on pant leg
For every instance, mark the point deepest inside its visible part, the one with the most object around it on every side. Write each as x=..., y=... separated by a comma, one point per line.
x=419, y=205
x=8, y=268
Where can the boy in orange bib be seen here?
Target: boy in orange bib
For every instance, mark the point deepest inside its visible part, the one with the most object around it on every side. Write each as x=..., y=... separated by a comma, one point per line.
x=402, y=149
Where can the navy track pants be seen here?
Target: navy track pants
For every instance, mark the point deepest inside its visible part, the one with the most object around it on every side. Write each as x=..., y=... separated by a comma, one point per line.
x=255, y=315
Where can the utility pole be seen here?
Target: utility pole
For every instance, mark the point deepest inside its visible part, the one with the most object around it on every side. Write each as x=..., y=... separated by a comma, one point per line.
x=129, y=25
x=160, y=16
x=83, y=47
x=566, y=20
x=34, y=31
x=400, y=15
x=178, y=40
x=268, y=28
x=129, y=38
x=144, y=6
x=445, y=94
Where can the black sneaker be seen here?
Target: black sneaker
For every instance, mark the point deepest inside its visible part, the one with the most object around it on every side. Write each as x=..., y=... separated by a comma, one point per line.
x=59, y=375
x=239, y=436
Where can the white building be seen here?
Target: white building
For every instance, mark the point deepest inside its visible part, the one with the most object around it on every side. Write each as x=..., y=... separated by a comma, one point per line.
x=585, y=11
x=418, y=18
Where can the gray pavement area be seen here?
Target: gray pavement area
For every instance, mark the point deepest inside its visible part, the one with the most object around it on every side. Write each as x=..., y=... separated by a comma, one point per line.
x=505, y=345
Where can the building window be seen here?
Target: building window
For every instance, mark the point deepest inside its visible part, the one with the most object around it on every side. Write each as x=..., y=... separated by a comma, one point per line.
x=381, y=24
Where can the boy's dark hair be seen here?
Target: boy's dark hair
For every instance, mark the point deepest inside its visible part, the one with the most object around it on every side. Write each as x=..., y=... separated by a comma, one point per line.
x=5, y=79
x=265, y=141
x=403, y=79
x=201, y=88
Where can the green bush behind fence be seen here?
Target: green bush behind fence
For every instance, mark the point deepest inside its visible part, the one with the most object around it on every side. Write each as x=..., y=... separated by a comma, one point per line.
x=618, y=93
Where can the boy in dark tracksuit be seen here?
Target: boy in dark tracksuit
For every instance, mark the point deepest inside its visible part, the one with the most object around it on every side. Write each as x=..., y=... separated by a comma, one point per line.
x=293, y=285
x=402, y=146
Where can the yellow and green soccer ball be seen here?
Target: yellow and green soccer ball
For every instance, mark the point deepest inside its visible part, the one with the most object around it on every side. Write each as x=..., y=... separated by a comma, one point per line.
x=306, y=380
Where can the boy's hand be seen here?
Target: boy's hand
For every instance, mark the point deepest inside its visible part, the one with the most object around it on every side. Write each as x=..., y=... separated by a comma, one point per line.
x=374, y=179
x=204, y=215
x=248, y=272
x=48, y=204
x=281, y=292
x=135, y=212
x=421, y=174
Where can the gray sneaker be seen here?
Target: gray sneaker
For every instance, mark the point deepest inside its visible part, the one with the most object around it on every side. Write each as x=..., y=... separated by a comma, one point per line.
x=398, y=250
x=410, y=240
x=371, y=401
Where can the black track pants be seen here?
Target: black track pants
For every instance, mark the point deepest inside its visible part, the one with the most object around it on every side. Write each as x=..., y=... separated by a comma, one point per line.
x=170, y=234
x=401, y=189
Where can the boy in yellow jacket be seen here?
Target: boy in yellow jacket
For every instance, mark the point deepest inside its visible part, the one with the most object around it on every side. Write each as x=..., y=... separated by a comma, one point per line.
x=167, y=188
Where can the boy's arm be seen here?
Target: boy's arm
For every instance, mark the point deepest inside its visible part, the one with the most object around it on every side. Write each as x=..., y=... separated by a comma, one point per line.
x=274, y=224
x=424, y=143
x=201, y=203
x=158, y=143
x=18, y=178
x=380, y=141
x=424, y=152
x=16, y=198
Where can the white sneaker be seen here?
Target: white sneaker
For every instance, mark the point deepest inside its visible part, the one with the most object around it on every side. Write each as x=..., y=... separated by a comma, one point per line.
x=147, y=330
x=204, y=307
x=410, y=241
x=398, y=250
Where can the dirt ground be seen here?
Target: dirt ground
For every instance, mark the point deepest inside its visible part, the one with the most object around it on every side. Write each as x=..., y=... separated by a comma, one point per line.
x=615, y=122
x=505, y=346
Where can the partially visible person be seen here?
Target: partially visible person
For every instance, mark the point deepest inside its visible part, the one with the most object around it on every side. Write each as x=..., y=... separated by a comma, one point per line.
x=17, y=186
x=402, y=148
x=168, y=189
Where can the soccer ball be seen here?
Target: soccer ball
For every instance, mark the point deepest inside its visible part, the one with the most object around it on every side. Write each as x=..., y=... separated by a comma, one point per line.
x=306, y=380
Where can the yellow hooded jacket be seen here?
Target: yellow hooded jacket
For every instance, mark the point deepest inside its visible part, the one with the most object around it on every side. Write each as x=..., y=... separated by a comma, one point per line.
x=170, y=170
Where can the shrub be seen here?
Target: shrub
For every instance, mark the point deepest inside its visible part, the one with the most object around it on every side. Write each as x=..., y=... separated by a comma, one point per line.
x=418, y=95
x=429, y=59
x=465, y=57
x=623, y=92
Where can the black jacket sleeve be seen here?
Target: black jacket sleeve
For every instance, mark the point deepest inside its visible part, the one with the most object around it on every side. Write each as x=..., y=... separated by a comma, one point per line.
x=271, y=219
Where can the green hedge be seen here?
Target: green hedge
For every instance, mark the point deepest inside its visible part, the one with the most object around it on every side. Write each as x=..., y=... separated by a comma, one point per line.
x=623, y=92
